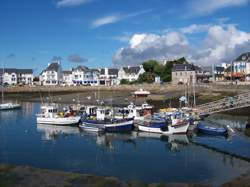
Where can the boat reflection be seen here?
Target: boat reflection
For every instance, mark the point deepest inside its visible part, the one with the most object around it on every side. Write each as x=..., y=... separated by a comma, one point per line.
x=174, y=142
x=111, y=141
x=51, y=132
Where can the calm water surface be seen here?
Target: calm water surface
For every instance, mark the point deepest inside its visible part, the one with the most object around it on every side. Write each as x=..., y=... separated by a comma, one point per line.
x=135, y=156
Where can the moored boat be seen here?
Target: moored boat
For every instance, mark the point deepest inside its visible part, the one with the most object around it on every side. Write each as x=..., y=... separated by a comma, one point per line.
x=9, y=106
x=205, y=129
x=111, y=125
x=50, y=115
x=141, y=93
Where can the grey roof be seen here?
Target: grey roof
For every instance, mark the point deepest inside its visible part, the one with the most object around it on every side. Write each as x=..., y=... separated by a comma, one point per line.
x=244, y=57
x=111, y=71
x=185, y=67
x=80, y=68
x=130, y=70
x=17, y=71
x=67, y=72
x=53, y=67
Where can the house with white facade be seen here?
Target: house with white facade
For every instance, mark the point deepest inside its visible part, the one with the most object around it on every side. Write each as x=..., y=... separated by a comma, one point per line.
x=130, y=73
x=108, y=76
x=82, y=75
x=13, y=76
x=52, y=75
x=241, y=67
x=67, y=78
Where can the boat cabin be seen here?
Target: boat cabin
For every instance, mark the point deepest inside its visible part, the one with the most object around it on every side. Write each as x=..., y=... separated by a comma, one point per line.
x=49, y=110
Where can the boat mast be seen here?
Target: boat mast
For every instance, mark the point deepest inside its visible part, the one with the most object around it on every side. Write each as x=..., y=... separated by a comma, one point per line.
x=194, y=104
x=2, y=81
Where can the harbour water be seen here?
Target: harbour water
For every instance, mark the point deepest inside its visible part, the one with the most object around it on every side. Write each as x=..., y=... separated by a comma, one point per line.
x=134, y=156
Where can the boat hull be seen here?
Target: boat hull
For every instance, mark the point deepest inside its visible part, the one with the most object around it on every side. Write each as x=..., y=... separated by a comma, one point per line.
x=176, y=129
x=58, y=121
x=211, y=130
x=116, y=126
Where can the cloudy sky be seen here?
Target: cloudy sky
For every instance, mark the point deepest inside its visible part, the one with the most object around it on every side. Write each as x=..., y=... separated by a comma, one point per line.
x=100, y=33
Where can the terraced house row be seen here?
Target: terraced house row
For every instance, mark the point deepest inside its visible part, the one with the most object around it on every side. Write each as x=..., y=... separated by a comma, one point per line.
x=82, y=75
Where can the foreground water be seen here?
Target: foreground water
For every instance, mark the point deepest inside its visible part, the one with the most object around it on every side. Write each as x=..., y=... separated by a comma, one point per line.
x=135, y=156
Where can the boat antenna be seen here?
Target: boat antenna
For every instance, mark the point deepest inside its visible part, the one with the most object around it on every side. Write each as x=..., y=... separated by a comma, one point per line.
x=41, y=96
x=2, y=81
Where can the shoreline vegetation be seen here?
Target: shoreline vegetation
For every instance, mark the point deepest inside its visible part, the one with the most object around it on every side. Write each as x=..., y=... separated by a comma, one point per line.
x=11, y=175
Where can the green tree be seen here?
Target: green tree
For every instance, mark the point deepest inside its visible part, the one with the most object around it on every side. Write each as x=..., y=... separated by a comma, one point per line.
x=124, y=81
x=150, y=65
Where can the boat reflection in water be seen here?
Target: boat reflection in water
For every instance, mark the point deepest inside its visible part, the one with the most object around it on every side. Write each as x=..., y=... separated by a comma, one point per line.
x=108, y=140
x=51, y=132
x=175, y=142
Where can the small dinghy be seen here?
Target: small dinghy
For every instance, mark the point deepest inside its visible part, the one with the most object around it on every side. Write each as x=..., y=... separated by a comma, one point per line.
x=92, y=128
x=205, y=129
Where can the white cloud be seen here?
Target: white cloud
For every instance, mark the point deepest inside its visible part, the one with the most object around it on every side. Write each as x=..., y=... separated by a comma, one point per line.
x=221, y=43
x=194, y=28
x=105, y=20
x=145, y=46
x=115, y=18
x=69, y=3
x=204, y=7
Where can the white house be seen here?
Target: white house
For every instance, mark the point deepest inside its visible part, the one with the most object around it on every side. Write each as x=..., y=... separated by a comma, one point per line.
x=67, y=78
x=52, y=75
x=108, y=76
x=82, y=75
x=241, y=67
x=14, y=76
x=130, y=73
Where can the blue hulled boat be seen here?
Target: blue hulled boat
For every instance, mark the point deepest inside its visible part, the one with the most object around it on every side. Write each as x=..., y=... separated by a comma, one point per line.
x=205, y=129
x=112, y=125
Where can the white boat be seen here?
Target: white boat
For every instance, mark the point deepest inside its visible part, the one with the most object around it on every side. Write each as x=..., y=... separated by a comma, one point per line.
x=49, y=115
x=9, y=106
x=141, y=93
x=176, y=124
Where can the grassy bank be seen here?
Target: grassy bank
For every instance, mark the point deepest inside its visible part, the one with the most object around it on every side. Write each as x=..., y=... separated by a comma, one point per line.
x=24, y=176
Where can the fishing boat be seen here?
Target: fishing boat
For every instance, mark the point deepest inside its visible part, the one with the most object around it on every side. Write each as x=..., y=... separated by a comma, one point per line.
x=154, y=127
x=136, y=112
x=141, y=93
x=205, y=129
x=50, y=115
x=173, y=124
x=110, y=124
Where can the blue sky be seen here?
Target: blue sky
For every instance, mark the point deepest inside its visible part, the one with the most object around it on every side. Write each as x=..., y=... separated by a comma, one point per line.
x=99, y=33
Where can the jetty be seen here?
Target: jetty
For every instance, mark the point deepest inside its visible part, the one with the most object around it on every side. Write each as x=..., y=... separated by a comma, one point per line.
x=226, y=104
